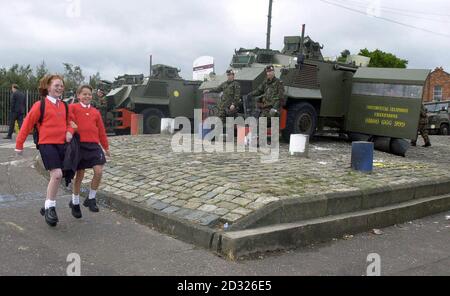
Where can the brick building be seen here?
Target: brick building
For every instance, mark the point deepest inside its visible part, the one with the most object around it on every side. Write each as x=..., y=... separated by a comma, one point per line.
x=437, y=86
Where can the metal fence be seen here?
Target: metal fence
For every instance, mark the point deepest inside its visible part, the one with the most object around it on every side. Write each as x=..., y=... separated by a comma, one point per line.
x=5, y=105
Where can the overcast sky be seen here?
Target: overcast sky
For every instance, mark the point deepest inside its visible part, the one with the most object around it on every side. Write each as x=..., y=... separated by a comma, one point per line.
x=115, y=37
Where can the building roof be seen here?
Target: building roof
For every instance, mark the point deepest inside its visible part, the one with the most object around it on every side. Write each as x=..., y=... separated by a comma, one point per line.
x=440, y=69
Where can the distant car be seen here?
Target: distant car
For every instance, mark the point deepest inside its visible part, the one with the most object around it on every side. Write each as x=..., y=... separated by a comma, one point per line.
x=438, y=117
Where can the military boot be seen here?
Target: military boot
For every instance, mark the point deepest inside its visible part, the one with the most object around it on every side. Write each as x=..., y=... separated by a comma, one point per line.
x=427, y=144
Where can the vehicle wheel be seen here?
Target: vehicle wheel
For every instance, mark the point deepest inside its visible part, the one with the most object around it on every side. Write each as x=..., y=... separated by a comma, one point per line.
x=152, y=121
x=302, y=119
x=399, y=146
x=382, y=144
x=444, y=129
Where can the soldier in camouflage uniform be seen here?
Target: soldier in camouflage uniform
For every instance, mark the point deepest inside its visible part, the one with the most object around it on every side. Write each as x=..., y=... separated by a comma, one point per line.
x=100, y=103
x=228, y=105
x=272, y=90
x=423, y=122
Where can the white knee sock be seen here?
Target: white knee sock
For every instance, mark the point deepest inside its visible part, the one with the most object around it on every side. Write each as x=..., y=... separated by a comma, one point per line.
x=75, y=199
x=92, y=194
x=50, y=204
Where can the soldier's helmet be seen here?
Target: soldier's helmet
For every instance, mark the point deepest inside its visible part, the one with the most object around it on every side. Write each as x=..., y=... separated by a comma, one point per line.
x=270, y=68
x=230, y=72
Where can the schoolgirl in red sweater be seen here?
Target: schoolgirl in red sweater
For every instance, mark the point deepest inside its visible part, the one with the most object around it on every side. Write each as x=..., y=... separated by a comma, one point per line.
x=92, y=134
x=54, y=132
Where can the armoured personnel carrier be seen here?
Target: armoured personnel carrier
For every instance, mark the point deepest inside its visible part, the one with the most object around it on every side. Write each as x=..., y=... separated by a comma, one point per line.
x=163, y=94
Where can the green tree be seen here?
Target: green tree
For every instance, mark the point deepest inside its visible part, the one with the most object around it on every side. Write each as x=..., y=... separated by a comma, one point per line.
x=27, y=79
x=41, y=71
x=381, y=59
x=73, y=76
x=21, y=75
x=95, y=80
x=2, y=76
x=344, y=54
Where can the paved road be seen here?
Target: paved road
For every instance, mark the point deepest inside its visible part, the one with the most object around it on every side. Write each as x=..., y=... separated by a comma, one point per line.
x=110, y=244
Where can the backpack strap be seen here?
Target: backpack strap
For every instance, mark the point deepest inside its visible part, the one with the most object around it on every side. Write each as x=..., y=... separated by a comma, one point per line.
x=42, y=109
x=67, y=110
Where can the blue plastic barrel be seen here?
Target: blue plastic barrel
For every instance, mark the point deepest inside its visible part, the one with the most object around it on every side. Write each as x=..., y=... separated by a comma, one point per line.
x=362, y=156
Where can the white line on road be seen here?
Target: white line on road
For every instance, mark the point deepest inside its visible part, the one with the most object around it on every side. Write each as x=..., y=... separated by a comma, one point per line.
x=14, y=225
x=15, y=162
x=13, y=145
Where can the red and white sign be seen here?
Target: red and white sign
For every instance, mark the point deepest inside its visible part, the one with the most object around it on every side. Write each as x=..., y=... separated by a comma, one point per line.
x=202, y=67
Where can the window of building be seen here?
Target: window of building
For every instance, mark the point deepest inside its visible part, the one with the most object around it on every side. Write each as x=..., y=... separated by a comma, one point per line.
x=437, y=95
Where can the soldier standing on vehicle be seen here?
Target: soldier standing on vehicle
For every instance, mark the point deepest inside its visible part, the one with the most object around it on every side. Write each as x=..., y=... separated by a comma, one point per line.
x=101, y=104
x=272, y=90
x=423, y=122
x=231, y=98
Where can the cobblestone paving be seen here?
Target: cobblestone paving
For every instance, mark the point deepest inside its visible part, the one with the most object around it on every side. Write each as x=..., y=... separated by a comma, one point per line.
x=209, y=187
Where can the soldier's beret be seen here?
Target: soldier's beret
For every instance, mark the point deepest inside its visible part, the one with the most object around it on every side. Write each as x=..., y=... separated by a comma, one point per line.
x=270, y=68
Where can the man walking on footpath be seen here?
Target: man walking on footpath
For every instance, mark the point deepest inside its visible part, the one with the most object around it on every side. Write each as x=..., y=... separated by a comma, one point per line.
x=17, y=112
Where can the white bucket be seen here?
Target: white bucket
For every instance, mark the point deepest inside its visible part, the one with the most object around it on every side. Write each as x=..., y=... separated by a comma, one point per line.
x=251, y=140
x=167, y=126
x=299, y=144
x=242, y=133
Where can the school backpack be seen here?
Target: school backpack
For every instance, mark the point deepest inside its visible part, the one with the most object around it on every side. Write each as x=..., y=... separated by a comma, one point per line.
x=41, y=119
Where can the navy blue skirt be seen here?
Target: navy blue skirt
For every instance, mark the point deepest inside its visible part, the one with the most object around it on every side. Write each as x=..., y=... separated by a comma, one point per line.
x=52, y=156
x=91, y=155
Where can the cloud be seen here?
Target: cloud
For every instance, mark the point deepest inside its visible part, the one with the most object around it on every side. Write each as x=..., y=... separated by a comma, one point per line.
x=115, y=37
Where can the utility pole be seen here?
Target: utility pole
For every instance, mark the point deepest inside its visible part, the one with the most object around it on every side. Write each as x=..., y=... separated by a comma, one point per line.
x=269, y=24
x=151, y=64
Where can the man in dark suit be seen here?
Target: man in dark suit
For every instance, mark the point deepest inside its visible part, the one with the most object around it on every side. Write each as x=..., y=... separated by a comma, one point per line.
x=18, y=106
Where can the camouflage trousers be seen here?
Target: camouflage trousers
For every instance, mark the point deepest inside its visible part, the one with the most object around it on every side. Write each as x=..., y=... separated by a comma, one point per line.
x=266, y=113
x=223, y=114
x=424, y=133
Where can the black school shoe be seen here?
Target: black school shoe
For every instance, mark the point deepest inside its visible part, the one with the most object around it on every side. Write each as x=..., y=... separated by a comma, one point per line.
x=50, y=216
x=76, y=210
x=91, y=204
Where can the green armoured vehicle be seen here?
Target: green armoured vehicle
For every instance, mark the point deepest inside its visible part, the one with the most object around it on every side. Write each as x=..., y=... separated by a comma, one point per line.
x=115, y=93
x=249, y=68
x=369, y=104
x=162, y=95
x=249, y=64
x=104, y=85
x=438, y=117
